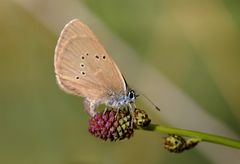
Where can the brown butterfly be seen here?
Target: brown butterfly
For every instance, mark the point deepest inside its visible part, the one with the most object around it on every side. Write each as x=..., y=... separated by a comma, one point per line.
x=84, y=68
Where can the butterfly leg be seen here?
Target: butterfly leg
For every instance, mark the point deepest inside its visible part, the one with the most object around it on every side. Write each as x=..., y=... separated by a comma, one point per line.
x=117, y=111
x=131, y=109
x=105, y=110
x=90, y=107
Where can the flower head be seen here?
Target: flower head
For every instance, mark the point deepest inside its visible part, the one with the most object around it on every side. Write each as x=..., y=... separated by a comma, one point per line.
x=177, y=144
x=112, y=125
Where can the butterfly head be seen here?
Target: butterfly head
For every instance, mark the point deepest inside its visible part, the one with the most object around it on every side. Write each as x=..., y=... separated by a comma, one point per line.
x=131, y=95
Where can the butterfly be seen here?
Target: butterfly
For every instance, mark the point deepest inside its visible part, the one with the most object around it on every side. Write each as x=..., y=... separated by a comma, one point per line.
x=84, y=68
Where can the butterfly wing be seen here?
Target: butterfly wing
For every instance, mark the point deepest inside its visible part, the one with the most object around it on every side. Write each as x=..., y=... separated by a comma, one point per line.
x=82, y=65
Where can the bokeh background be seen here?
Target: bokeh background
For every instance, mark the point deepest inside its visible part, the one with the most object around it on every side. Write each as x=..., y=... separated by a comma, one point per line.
x=183, y=55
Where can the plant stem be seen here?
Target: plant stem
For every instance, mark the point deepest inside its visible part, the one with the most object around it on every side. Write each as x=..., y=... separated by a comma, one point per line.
x=195, y=134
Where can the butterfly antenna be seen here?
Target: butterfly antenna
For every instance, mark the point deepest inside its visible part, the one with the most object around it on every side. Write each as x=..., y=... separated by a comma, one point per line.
x=156, y=107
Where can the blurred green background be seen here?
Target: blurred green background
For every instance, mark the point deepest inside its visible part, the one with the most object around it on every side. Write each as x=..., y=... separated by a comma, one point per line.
x=194, y=44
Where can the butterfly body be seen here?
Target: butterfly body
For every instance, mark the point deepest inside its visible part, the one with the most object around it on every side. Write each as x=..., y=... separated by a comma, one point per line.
x=117, y=101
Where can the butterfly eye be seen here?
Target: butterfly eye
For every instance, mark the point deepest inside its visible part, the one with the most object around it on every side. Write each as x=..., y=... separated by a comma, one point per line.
x=131, y=94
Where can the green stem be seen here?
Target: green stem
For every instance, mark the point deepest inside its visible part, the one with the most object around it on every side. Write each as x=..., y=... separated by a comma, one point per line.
x=195, y=134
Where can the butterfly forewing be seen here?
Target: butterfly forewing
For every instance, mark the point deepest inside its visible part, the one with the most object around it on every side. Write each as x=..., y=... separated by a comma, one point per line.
x=82, y=65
